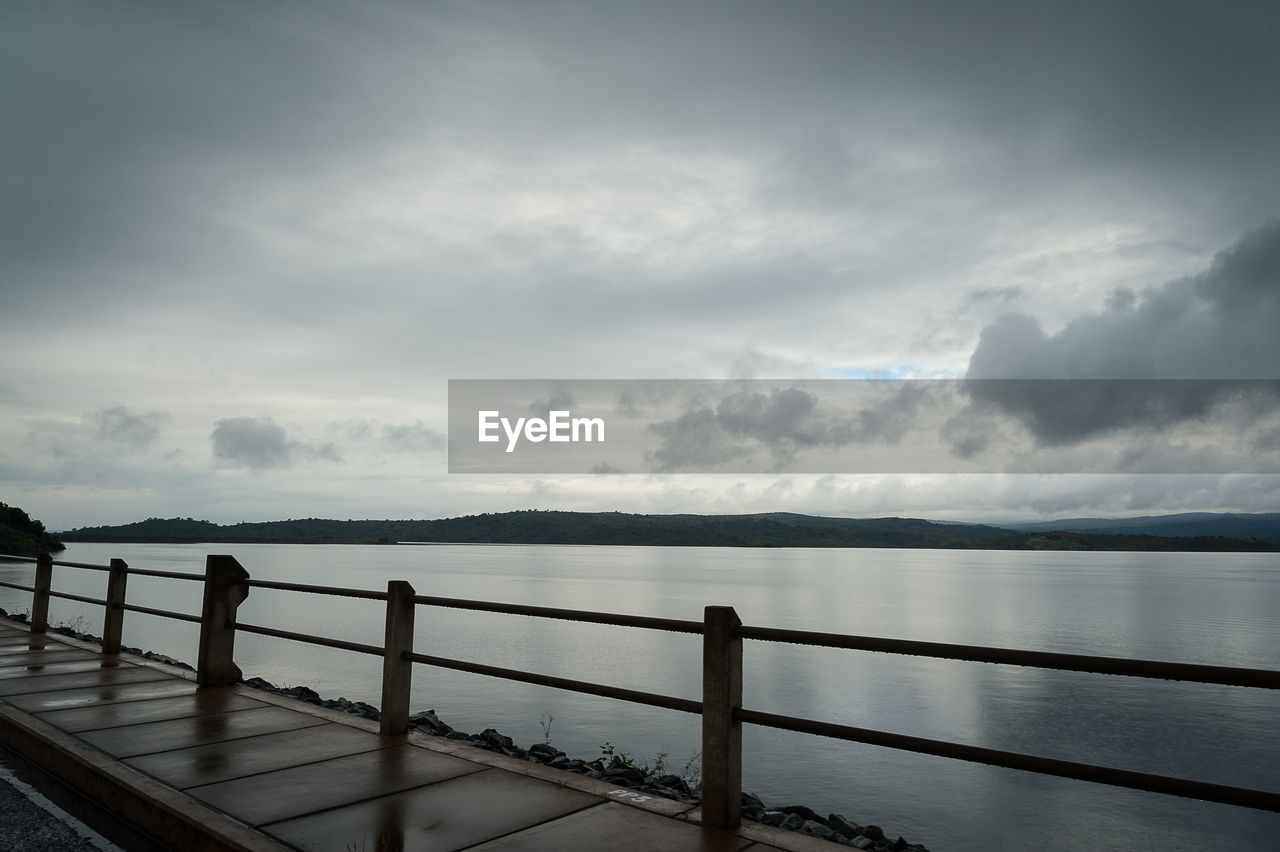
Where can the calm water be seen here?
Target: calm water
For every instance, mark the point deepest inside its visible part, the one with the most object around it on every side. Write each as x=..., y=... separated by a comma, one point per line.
x=1216, y=608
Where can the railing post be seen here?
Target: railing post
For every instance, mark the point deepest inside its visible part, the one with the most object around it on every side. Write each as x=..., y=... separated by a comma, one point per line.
x=721, y=733
x=397, y=672
x=113, y=621
x=224, y=590
x=40, y=599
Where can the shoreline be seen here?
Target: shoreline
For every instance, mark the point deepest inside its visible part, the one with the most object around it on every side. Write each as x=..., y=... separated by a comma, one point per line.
x=619, y=769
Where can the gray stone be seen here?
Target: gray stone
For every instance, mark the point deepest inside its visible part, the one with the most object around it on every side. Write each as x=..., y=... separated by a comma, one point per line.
x=802, y=812
x=840, y=825
x=813, y=828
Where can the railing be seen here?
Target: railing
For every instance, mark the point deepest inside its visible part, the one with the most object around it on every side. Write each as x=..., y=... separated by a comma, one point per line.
x=227, y=585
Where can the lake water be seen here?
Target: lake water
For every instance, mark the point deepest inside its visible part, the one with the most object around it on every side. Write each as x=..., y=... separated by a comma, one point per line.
x=1221, y=609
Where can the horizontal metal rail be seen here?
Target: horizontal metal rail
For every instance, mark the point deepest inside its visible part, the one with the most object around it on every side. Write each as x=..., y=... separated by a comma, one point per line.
x=20, y=588
x=671, y=624
x=339, y=591
x=171, y=575
x=163, y=613
x=1260, y=678
x=80, y=598
x=372, y=650
x=653, y=700
x=8, y=558
x=1014, y=760
x=85, y=565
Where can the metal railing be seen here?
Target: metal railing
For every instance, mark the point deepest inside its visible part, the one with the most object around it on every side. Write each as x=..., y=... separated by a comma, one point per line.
x=226, y=585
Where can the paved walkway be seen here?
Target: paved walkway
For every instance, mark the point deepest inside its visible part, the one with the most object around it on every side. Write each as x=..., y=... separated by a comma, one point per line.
x=237, y=768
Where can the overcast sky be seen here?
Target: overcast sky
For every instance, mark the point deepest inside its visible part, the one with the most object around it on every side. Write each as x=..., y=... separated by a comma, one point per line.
x=244, y=246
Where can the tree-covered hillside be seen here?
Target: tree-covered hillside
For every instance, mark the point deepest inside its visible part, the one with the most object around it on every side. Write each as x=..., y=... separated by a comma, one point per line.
x=615, y=528
x=22, y=535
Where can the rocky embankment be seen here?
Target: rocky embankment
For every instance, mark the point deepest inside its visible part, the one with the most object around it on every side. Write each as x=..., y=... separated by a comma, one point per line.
x=614, y=770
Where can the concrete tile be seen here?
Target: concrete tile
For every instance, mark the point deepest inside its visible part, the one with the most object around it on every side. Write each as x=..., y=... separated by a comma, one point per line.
x=617, y=828
x=170, y=734
x=76, y=680
x=208, y=764
x=197, y=703
x=37, y=702
x=331, y=783
x=452, y=814
x=65, y=665
x=23, y=644
x=29, y=658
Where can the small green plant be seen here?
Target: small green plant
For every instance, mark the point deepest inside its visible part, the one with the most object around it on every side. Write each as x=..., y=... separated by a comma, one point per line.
x=691, y=773
x=545, y=722
x=607, y=750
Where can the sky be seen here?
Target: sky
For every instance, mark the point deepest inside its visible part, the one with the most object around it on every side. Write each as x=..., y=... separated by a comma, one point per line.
x=244, y=247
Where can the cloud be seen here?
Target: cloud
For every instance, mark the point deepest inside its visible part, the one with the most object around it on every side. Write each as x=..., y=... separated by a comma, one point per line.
x=415, y=437
x=744, y=425
x=1144, y=361
x=259, y=443
x=126, y=429
x=561, y=399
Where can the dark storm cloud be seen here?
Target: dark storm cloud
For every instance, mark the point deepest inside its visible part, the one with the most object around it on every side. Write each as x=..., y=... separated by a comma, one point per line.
x=259, y=443
x=782, y=423
x=1148, y=360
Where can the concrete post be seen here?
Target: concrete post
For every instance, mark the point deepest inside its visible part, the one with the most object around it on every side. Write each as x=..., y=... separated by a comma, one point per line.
x=113, y=622
x=40, y=599
x=397, y=672
x=224, y=590
x=721, y=733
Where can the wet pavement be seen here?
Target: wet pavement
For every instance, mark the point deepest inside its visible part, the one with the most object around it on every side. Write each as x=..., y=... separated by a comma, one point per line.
x=227, y=758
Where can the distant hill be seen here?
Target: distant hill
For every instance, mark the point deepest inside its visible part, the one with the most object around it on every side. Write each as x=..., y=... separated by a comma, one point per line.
x=1262, y=526
x=777, y=529
x=22, y=535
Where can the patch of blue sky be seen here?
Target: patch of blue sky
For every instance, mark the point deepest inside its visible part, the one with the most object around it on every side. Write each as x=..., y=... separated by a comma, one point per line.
x=892, y=372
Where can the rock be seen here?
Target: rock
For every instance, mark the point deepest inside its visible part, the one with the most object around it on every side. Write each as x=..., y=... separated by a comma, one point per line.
x=899, y=845
x=874, y=832
x=752, y=806
x=619, y=773
x=366, y=711
x=793, y=822
x=428, y=721
x=544, y=753
x=678, y=785
x=771, y=817
x=840, y=825
x=813, y=828
x=802, y=812
x=303, y=693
